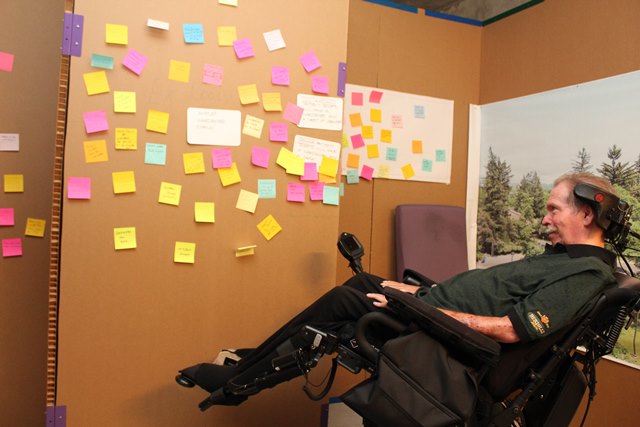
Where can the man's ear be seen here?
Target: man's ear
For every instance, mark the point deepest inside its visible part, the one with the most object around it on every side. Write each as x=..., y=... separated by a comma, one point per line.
x=589, y=215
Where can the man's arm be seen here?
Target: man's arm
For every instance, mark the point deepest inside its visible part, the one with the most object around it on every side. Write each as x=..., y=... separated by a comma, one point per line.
x=498, y=328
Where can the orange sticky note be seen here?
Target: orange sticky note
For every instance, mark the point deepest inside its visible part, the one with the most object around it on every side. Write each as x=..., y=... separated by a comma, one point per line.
x=385, y=135
x=95, y=151
x=355, y=120
x=353, y=161
x=407, y=171
x=269, y=227
x=416, y=146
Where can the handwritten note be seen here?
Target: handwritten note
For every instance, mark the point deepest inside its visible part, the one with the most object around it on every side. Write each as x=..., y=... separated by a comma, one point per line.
x=375, y=96
x=124, y=238
x=126, y=139
x=357, y=141
x=407, y=171
x=13, y=183
x=95, y=151
x=355, y=119
x=155, y=154
x=328, y=166
x=310, y=61
x=123, y=182
x=416, y=146
x=135, y=61
x=320, y=112
x=356, y=98
x=95, y=121
x=372, y=151
x=320, y=84
x=293, y=113
x=314, y=149
x=248, y=94
x=352, y=176
x=11, y=247
x=331, y=195
x=9, y=142
x=7, y=217
x=205, y=212
x=260, y=156
x=221, y=158
x=193, y=163
x=226, y=36
x=253, y=126
x=116, y=34
x=243, y=48
x=169, y=193
x=35, y=227
x=229, y=176
x=96, y=82
x=274, y=40
x=247, y=201
x=157, y=121
x=267, y=188
x=280, y=76
x=296, y=192
x=427, y=165
x=292, y=163
x=366, y=173
x=278, y=132
x=316, y=191
x=213, y=74
x=213, y=127
x=193, y=33
x=184, y=252
x=271, y=101
x=269, y=227
x=179, y=71
x=124, y=102
x=245, y=251
x=79, y=188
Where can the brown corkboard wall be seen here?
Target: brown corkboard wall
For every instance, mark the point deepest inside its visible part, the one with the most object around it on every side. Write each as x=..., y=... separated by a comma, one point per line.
x=28, y=108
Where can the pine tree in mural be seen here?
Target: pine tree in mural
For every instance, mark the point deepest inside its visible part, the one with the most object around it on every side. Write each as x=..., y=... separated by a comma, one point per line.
x=583, y=162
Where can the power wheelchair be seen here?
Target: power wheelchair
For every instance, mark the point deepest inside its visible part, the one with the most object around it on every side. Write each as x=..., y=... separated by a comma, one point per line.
x=436, y=371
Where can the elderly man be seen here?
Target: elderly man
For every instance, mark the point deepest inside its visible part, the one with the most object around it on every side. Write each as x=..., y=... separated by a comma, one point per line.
x=518, y=301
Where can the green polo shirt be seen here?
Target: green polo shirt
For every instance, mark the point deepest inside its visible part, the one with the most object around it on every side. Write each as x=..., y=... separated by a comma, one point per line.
x=540, y=294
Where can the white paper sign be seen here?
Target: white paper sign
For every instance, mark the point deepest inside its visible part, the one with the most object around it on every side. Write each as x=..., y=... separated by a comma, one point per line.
x=9, y=142
x=320, y=112
x=207, y=126
x=312, y=149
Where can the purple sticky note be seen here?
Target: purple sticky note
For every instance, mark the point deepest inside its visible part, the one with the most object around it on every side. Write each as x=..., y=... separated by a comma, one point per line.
x=7, y=217
x=6, y=61
x=309, y=61
x=260, y=156
x=320, y=84
x=212, y=74
x=293, y=113
x=310, y=172
x=95, y=121
x=316, y=190
x=375, y=96
x=221, y=158
x=11, y=247
x=357, y=141
x=79, y=188
x=278, y=132
x=243, y=48
x=295, y=192
x=135, y=61
x=356, y=98
x=280, y=76
x=366, y=173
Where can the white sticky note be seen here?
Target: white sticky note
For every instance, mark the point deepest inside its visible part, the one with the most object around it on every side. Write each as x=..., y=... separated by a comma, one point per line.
x=160, y=25
x=274, y=40
x=9, y=142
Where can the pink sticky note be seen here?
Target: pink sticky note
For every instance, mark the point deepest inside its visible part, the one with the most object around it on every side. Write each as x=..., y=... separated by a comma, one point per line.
x=310, y=172
x=375, y=96
x=95, y=121
x=357, y=141
x=310, y=61
x=278, y=132
x=316, y=190
x=280, y=76
x=295, y=192
x=212, y=74
x=320, y=84
x=293, y=113
x=260, y=156
x=79, y=188
x=11, y=247
x=243, y=48
x=135, y=61
x=356, y=98
x=366, y=173
x=6, y=61
x=7, y=217
x=221, y=158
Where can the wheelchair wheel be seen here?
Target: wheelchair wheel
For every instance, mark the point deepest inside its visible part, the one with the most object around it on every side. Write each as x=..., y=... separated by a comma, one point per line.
x=184, y=381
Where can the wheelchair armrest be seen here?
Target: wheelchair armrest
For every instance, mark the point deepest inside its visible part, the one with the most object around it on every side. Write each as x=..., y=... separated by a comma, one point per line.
x=412, y=277
x=458, y=337
x=366, y=349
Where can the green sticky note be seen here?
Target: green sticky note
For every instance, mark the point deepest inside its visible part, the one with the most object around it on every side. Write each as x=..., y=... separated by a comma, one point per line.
x=155, y=154
x=427, y=165
x=392, y=154
x=441, y=155
x=353, y=176
x=101, y=61
x=331, y=195
x=267, y=188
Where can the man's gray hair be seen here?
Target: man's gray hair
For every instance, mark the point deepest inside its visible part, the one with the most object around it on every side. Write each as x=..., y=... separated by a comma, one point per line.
x=583, y=178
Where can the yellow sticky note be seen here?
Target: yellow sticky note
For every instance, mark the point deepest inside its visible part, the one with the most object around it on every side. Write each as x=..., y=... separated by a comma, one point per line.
x=229, y=176
x=126, y=139
x=253, y=126
x=353, y=161
x=229, y=2
x=117, y=34
x=14, y=183
x=385, y=135
x=416, y=146
x=384, y=171
x=372, y=151
x=271, y=101
x=375, y=115
x=96, y=82
x=193, y=163
x=407, y=171
x=95, y=151
x=35, y=227
x=124, y=102
x=328, y=166
x=184, y=252
x=292, y=163
x=269, y=227
x=248, y=94
x=226, y=36
x=169, y=193
x=157, y=121
x=124, y=238
x=205, y=212
x=123, y=182
x=355, y=119
x=245, y=251
x=367, y=132
x=179, y=71
x=345, y=140
x=247, y=201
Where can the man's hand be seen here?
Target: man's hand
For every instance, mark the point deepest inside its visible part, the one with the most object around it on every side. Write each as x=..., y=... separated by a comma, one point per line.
x=379, y=300
x=403, y=287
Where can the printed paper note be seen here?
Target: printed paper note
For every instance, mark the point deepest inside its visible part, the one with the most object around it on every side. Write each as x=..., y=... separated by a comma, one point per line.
x=229, y=176
x=260, y=156
x=248, y=94
x=226, y=36
x=247, y=201
x=96, y=82
x=243, y=48
x=79, y=188
x=170, y=193
x=123, y=182
x=278, y=132
x=124, y=238
x=193, y=33
x=35, y=227
x=179, y=71
x=95, y=121
x=9, y=142
x=126, y=139
x=253, y=126
x=269, y=227
x=135, y=61
x=185, y=253
x=7, y=218
x=11, y=247
x=213, y=127
x=310, y=61
x=155, y=154
x=280, y=76
x=6, y=61
x=296, y=192
x=267, y=188
x=124, y=102
x=213, y=74
x=271, y=101
x=193, y=163
x=221, y=158
x=95, y=151
x=157, y=121
x=117, y=34
x=205, y=212
x=14, y=183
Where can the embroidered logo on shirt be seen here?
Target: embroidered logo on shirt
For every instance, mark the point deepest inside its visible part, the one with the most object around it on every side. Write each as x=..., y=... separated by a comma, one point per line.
x=537, y=321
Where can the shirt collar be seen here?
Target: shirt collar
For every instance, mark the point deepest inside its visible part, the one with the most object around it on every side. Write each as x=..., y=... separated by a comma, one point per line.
x=577, y=251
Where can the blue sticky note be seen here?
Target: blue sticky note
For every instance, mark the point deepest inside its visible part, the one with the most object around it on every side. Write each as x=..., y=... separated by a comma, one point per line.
x=427, y=165
x=352, y=176
x=331, y=195
x=267, y=188
x=193, y=33
x=441, y=155
x=342, y=189
x=418, y=111
x=392, y=154
x=155, y=154
x=101, y=61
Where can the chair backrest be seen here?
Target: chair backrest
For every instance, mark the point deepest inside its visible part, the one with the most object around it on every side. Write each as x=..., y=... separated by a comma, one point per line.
x=431, y=239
